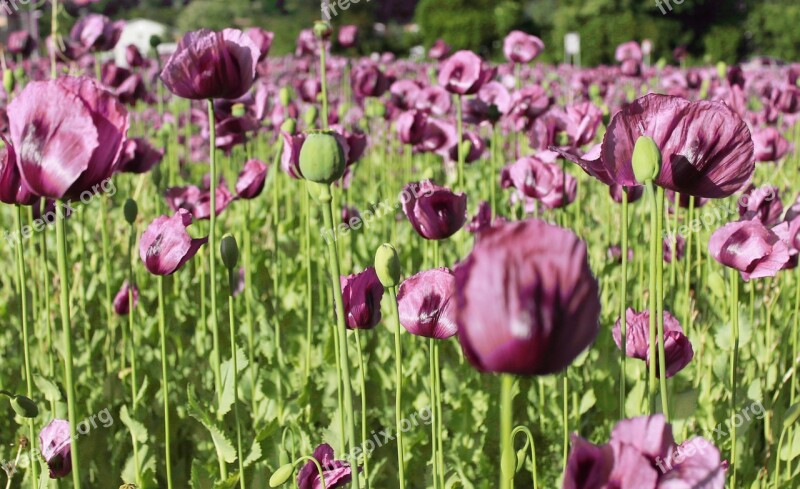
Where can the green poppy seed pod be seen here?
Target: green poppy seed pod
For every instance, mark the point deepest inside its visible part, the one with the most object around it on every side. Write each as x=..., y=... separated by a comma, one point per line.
x=792, y=415
x=238, y=110
x=131, y=210
x=8, y=81
x=229, y=251
x=387, y=265
x=281, y=475
x=285, y=96
x=310, y=116
x=646, y=159
x=722, y=69
x=522, y=454
x=322, y=158
x=322, y=29
x=155, y=41
x=508, y=463
x=24, y=406
x=289, y=126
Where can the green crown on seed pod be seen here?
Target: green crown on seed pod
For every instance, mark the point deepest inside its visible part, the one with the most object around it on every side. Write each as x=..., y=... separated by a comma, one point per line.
x=322, y=158
x=281, y=475
x=131, y=210
x=646, y=159
x=229, y=251
x=387, y=265
x=8, y=80
x=24, y=407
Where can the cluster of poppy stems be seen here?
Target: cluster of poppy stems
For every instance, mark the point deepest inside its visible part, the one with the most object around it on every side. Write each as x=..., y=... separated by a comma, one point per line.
x=523, y=301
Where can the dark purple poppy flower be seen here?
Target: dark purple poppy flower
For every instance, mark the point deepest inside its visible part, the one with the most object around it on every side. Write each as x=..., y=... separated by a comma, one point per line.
x=337, y=473
x=56, y=445
x=209, y=65
x=527, y=104
x=678, y=350
x=290, y=158
x=183, y=197
x=139, y=156
x=588, y=466
x=368, y=80
x=536, y=179
x=792, y=233
x=427, y=304
x=749, y=247
x=464, y=73
x=582, y=122
x=202, y=208
x=21, y=43
x=434, y=212
x=493, y=101
x=307, y=43
x=526, y=305
x=615, y=254
x=166, y=246
x=122, y=305
x=685, y=200
x=362, y=294
x=405, y=93
x=434, y=100
x=262, y=40
x=134, y=57
x=519, y=47
x=235, y=131
x=630, y=50
x=12, y=189
x=680, y=245
x=349, y=213
x=762, y=203
x=770, y=145
x=634, y=193
x=348, y=36
x=68, y=134
x=411, y=126
x=251, y=180
x=439, y=51
x=437, y=137
x=97, y=33
x=477, y=146
x=706, y=148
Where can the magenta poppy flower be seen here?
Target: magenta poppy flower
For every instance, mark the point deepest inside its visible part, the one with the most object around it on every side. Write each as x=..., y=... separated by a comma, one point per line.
x=21, y=43
x=12, y=189
x=209, y=65
x=526, y=305
x=519, y=47
x=630, y=50
x=749, y=247
x=139, y=156
x=762, y=203
x=251, y=180
x=350, y=212
x=362, y=294
x=348, y=36
x=615, y=254
x=582, y=119
x=770, y=145
x=527, y=104
x=434, y=212
x=290, y=157
x=706, y=147
x=56, y=445
x=337, y=473
x=411, y=126
x=439, y=50
x=427, y=304
x=166, y=246
x=477, y=146
x=68, y=134
x=437, y=137
x=368, y=80
x=464, y=73
x=122, y=306
x=546, y=182
x=134, y=57
x=677, y=348
x=95, y=32
x=680, y=248
x=307, y=43
x=405, y=93
x=434, y=100
x=262, y=40
x=202, y=207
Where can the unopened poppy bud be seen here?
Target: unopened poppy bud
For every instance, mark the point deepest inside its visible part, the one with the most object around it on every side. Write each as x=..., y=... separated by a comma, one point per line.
x=508, y=463
x=310, y=116
x=281, y=475
x=229, y=251
x=289, y=126
x=24, y=407
x=285, y=96
x=521, y=456
x=238, y=110
x=646, y=159
x=387, y=265
x=8, y=81
x=131, y=210
x=322, y=158
x=155, y=41
x=322, y=29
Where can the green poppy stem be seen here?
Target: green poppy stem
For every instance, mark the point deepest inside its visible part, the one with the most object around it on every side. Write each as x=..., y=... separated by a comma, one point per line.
x=234, y=355
x=734, y=379
x=506, y=423
x=162, y=324
x=362, y=378
x=460, y=147
x=652, y=293
x=133, y=347
x=212, y=246
x=248, y=295
x=623, y=302
x=662, y=360
x=398, y=366
x=524, y=429
x=439, y=417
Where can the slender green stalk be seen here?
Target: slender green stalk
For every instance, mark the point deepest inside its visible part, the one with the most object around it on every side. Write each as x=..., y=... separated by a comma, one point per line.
x=398, y=368
x=662, y=361
x=795, y=325
x=344, y=359
x=48, y=323
x=66, y=324
x=23, y=297
x=133, y=346
x=248, y=295
x=362, y=378
x=734, y=379
x=687, y=315
x=212, y=246
x=106, y=261
x=652, y=293
x=565, y=415
x=309, y=289
x=439, y=418
x=524, y=429
x=162, y=324
x=777, y=473
x=623, y=301
x=323, y=75
x=54, y=37
x=434, y=415
x=232, y=325
x=460, y=127
x=506, y=423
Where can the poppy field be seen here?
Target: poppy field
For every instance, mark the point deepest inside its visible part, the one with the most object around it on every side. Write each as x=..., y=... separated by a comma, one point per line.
x=225, y=268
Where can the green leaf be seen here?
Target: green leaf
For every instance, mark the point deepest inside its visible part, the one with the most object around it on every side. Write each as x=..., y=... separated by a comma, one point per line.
x=201, y=478
x=228, y=483
x=255, y=454
x=49, y=389
x=587, y=401
x=137, y=429
x=228, y=396
x=792, y=415
x=224, y=447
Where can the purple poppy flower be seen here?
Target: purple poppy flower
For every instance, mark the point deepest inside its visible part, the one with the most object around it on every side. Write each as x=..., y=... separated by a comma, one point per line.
x=588, y=466
x=97, y=33
x=262, y=40
x=12, y=189
x=615, y=254
x=546, y=182
x=680, y=245
x=434, y=100
x=362, y=294
x=477, y=146
x=202, y=208
x=68, y=134
x=519, y=47
x=290, y=157
x=434, y=212
x=464, y=73
x=411, y=126
x=56, y=444
x=348, y=36
x=251, y=180
x=337, y=473
x=770, y=145
x=749, y=247
x=630, y=50
x=439, y=50
x=526, y=306
x=582, y=122
x=405, y=93
x=139, y=156
x=437, y=137
x=368, y=80
x=762, y=203
x=307, y=44
x=678, y=350
x=209, y=65
x=527, y=104
x=122, y=305
x=350, y=213
x=634, y=193
x=166, y=246
x=706, y=148
x=134, y=57
x=21, y=43
x=427, y=304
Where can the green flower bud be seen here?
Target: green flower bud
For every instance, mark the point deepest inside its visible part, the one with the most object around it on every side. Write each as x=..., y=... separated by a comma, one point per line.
x=310, y=116
x=322, y=158
x=646, y=159
x=131, y=210
x=24, y=406
x=229, y=251
x=285, y=96
x=281, y=475
x=238, y=110
x=155, y=41
x=289, y=126
x=387, y=265
x=322, y=29
x=522, y=454
x=8, y=81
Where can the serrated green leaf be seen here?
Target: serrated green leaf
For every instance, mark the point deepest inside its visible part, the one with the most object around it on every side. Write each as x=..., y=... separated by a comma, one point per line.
x=137, y=429
x=49, y=389
x=228, y=397
x=255, y=454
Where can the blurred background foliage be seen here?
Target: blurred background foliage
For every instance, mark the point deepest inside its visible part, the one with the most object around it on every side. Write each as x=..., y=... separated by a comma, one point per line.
x=712, y=30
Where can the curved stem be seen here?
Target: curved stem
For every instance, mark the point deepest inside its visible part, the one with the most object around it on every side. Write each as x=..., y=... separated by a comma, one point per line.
x=164, y=378
x=524, y=429
x=319, y=468
x=212, y=246
x=398, y=367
